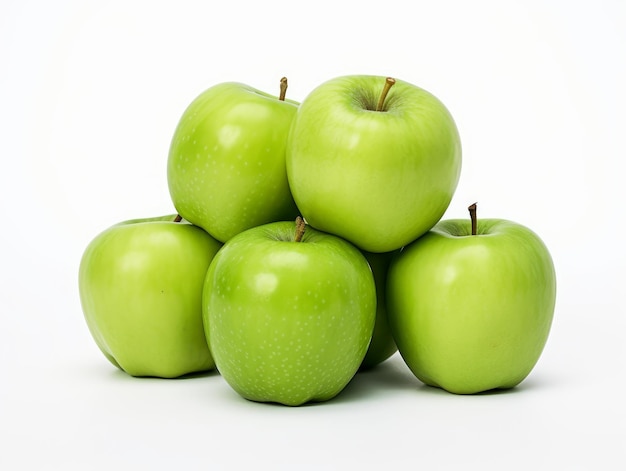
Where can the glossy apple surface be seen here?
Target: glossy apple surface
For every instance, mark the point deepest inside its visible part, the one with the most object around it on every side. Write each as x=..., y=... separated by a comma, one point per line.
x=226, y=165
x=382, y=345
x=140, y=286
x=379, y=179
x=288, y=322
x=471, y=313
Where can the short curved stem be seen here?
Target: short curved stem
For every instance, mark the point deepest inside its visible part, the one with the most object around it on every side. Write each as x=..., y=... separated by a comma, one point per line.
x=472, y=211
x=283, y=89
x=389, y=82
x=300, y=228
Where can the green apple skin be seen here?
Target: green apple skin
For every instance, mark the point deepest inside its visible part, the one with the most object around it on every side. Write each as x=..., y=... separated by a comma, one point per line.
x=382, y=345
x=288, y=322
x=472, y=313
x=140, y=285
x=379, y=179
x=226, y=165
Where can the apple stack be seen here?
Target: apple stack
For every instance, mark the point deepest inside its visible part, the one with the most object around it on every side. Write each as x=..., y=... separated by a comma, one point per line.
x=308, y=245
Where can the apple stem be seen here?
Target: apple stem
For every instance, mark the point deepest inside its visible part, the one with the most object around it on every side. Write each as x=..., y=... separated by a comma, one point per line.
x=300, y=228
x=283, y=89
x=178, y=218
x=472, y=211
x=389, y=82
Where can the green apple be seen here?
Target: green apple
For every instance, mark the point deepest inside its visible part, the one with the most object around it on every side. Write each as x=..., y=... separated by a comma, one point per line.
x=140, y=285
x=226, y=165
x=382, y=345
x=471, y=305
x=288, y=314
x=378, y=168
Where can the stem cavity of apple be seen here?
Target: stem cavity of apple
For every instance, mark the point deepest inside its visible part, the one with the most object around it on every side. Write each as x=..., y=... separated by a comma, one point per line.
x=472, y=211
x=283, y=89
x=300, y=228
x=389, y=82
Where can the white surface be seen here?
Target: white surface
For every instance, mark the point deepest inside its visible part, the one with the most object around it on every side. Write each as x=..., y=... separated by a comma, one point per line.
x=90, y=93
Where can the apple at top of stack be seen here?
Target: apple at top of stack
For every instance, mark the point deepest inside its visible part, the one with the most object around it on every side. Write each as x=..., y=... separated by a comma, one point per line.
x=226, y=165
x=373, y=159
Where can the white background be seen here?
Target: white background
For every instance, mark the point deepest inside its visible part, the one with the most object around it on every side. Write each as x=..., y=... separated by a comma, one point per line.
x=90, y=93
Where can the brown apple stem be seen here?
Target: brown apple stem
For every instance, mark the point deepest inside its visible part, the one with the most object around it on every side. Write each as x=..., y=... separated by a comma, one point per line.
x=300, y=228
x=389, y=82
x=472, y=211
x=283, y=89
x=178, y=218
